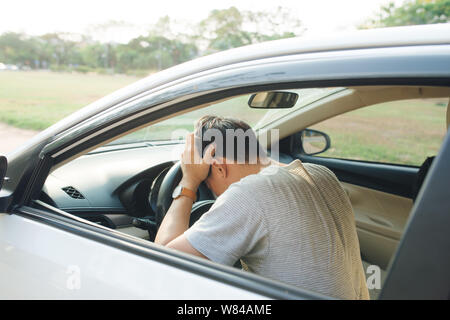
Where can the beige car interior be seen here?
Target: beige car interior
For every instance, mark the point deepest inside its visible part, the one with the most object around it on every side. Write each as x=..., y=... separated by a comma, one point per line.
x=380, y=217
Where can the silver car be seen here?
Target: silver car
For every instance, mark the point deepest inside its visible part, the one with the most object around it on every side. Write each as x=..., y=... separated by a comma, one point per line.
x=82, y=200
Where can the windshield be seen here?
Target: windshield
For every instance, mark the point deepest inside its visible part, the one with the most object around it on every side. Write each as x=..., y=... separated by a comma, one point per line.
x=236, y=107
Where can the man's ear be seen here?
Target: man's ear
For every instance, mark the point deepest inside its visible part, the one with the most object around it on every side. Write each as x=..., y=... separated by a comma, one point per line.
x=209, y=153
x=220, y=167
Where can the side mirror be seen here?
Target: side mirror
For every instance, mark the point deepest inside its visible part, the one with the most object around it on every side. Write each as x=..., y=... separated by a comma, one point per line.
x=3, y=167
x=273, y=100
x=314, y=142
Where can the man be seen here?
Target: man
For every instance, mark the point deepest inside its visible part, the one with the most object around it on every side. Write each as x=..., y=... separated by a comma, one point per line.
x=293, y=223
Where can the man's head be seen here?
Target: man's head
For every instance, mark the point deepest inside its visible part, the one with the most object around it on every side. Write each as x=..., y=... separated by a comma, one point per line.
x=237, y=152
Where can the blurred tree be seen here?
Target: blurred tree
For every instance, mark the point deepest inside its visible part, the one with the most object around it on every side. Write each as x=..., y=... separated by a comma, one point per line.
x=276, y=24
x=161, y=48
x=58, y=50
x=157, y=52
x=93, y=55
x=230, y=28
x=18, y=49
x=223, y=29
x=125, y=58
x=411, y=12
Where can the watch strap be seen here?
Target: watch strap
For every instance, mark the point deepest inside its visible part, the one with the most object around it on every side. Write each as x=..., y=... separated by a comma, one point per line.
x=188, y=193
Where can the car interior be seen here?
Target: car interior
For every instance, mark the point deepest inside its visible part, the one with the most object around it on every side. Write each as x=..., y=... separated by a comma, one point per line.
x=126, y=184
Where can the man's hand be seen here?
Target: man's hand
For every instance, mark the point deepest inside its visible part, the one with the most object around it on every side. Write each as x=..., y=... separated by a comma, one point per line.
x=195, y=168
x=176, y=221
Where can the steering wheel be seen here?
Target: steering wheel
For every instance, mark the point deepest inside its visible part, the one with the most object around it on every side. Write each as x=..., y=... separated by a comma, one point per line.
x=164, y=198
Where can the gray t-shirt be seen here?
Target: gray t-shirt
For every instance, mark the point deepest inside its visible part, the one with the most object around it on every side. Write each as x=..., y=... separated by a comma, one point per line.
x=294, y=224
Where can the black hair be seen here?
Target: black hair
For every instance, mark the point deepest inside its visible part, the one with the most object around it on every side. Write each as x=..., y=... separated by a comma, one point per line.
x=235, y=133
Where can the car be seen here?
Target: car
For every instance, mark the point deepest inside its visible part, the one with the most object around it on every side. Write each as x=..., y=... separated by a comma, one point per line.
x=82, y=200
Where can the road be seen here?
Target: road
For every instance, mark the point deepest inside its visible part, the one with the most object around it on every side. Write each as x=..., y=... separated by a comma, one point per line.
x=11, y=137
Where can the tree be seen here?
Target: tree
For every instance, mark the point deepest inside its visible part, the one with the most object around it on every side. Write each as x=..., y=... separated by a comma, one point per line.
x=222, y=30
x=16, y=48
x=411, y=12
x=93, y=55
x=125, y=58
x=272, y=25
x=160, y=48
x=55, y=48
x=230, y=28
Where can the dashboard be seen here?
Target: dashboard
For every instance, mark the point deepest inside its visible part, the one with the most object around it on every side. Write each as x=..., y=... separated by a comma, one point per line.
x=98, y=180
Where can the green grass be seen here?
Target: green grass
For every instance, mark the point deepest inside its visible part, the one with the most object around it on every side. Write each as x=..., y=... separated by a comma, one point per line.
x=404, y=132
x=36, y=100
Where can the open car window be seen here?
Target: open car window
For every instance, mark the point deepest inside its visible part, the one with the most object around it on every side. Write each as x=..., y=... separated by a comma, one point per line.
x=402, y=132
x=236, y=107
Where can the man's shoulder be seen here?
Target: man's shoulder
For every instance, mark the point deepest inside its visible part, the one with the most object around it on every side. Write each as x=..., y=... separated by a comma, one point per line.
x=317, y=169
x=274, y=175
x=250, y=186
x=247, y=183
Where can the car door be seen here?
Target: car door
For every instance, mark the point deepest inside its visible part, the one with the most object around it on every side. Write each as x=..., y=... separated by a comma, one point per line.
x=45, y=257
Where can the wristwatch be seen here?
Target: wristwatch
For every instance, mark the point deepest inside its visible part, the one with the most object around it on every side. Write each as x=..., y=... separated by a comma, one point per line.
x=182, y=191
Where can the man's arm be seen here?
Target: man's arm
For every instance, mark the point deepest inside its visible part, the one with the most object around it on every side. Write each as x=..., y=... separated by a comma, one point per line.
x=176, y=220
x=182, y=244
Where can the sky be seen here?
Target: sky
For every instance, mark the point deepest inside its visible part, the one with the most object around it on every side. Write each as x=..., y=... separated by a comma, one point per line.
x=77, y=16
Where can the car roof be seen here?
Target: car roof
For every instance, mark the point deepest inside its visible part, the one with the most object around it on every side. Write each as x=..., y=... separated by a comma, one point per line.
x=360, y=39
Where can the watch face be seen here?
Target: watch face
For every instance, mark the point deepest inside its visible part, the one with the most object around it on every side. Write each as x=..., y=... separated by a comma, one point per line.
x=176, y=191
